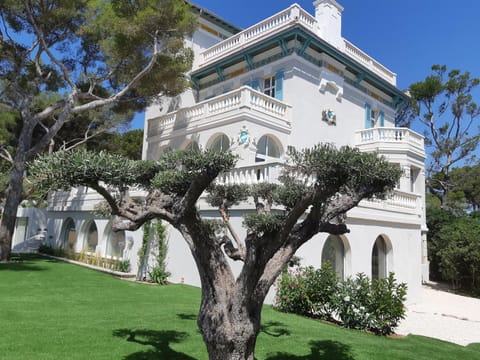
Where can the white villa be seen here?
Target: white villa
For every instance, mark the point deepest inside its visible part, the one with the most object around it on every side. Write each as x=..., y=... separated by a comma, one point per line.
x=290, y=80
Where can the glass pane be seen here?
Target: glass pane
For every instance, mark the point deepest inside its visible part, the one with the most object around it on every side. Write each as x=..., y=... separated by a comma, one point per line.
x=220, y=144
x=273, y=150
x=379, y=259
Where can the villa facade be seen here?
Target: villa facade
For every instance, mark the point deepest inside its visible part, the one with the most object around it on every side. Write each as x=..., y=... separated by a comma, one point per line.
x=290, y=80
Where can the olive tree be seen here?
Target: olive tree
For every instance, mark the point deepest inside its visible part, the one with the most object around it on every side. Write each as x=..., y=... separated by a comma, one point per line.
x=317, y=188
x=63, y=58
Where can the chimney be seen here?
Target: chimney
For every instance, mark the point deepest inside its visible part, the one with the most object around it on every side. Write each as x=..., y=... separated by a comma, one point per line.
x=329, y=19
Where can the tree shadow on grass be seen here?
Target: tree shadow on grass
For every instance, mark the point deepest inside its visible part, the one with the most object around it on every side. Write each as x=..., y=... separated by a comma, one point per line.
x=23, y=262
x=159, y=340
x=319, y=350
x=183, y=316
x=274, y=328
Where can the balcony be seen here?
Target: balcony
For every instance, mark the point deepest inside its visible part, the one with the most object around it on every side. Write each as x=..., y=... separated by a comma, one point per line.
x=277, y=23
x=243, y=101
x=398, y=201
x=384, y=139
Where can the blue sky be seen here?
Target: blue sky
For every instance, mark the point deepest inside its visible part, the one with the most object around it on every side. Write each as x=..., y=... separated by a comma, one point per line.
x=406, y=36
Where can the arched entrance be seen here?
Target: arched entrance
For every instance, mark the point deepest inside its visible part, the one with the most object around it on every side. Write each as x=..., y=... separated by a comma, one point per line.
x=69, y=235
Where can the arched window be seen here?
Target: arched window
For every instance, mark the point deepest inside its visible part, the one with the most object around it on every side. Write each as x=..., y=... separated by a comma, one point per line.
x=116, y=243
x=192, y=145
x=379, y=259
x=220, y=144
x=334, y=253
x=69, y=235
x=91, y=240
x=267, y=148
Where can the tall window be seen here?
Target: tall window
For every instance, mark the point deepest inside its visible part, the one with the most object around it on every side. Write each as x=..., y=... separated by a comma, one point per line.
x=373, y=117
x=69, y=235
x=269, y=86
x=334, y=253
x=92, y=237
x=414, y=172
x=220, y=144
x=267, y=148
x=379, y=259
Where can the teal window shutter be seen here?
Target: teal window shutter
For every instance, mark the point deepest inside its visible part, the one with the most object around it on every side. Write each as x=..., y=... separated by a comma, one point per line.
x=255, y=84
x=368, y=114
x=248, y=83
x=382, y=119
x=279, y=75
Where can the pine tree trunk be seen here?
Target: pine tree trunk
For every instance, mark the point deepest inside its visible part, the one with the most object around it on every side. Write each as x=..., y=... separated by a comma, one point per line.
x=13, y=199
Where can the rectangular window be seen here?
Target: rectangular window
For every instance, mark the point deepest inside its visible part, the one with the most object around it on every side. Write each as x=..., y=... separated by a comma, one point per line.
x=269, y=86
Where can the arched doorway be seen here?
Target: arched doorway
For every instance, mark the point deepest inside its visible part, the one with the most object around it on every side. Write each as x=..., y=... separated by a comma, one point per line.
x=69, y=235
x=91, y=237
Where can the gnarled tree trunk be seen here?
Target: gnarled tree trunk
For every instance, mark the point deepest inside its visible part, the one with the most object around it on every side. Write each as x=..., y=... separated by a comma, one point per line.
x=229, y=327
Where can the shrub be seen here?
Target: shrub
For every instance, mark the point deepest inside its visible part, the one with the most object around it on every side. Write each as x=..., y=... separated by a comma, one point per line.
x=48, y=250
x=291, y=293
x=122, y=266
x=308, y=292
x=357, y=303
x=45, y=249
x=386, y=305
x=159, y=275
x=320, y=289
x=352, y=301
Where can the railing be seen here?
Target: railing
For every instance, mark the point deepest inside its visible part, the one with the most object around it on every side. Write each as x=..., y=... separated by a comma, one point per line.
x=244, y=97
x=292, y=15
x=370, y=63
x=249, y=175
x=399, y=199
x=248, y=36
x=389, y=135
x=270, y=172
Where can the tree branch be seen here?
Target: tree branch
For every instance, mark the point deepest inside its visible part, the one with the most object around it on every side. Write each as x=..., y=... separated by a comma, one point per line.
x=239, y=252
x=44, y=45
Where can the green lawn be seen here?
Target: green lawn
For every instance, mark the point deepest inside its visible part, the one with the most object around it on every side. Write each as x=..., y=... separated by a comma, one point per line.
x=54, y=310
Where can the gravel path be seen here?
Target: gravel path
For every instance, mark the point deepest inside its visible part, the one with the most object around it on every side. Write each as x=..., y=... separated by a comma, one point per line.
x=444, y=316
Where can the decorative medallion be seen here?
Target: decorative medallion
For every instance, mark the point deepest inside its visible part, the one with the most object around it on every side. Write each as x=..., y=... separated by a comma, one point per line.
x=244, y=137
x=329, y=116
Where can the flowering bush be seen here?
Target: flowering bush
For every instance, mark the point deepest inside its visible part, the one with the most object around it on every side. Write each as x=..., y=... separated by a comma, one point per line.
x=291, y=294
x=357, y=303
x=353, y=299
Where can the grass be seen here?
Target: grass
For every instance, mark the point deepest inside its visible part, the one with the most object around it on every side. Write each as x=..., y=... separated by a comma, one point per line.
x=53, y=310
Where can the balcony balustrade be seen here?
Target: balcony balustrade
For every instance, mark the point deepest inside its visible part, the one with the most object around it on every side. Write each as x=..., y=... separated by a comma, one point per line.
x=220, y=107
x=269, y=172
x=277, y=23
x=378, y=138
